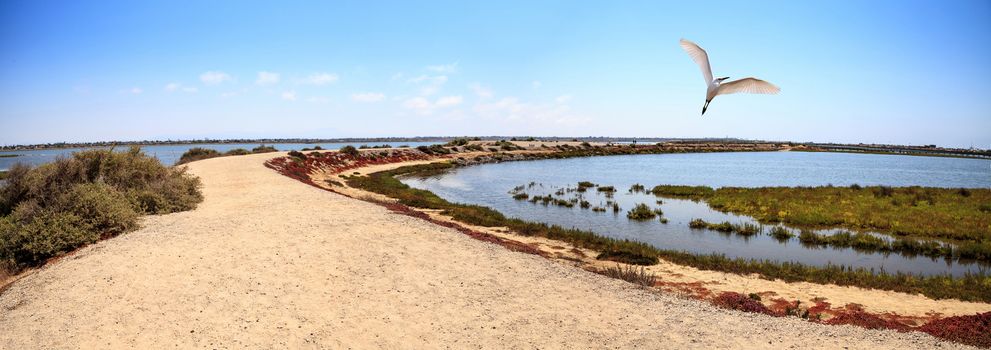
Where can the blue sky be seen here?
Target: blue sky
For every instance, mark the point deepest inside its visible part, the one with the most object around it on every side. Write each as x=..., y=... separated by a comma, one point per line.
x=916, y=72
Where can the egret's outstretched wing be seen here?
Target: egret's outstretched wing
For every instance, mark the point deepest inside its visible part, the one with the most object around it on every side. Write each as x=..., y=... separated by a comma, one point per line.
x=700, y=58
x=747, y=85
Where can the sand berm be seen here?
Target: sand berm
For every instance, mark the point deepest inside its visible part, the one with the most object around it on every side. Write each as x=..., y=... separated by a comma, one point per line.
x=270, y=262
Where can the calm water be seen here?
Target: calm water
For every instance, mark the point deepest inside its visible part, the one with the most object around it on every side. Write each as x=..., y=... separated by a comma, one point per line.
x=169, y=154
x=489, y=185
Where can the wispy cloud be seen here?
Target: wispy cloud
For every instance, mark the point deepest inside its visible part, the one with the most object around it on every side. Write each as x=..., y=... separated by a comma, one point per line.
x=367, y=97
x=536, y=84
x=173, y=87
x=321, y=78
x=135, y=90
x=214, y=77
x=511, y=109
x=421, y=105
x=267, y=78
x=289, y=95
x=480, y=91
x=444, y=68
x=429, y=84
x=448, y=101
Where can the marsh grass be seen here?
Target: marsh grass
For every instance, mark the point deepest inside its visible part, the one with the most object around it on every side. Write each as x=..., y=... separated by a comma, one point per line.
x=682, y=191
x=780, y=233
x=969, y=287
x=943, y=213
x=643, y=212
x=744, y=229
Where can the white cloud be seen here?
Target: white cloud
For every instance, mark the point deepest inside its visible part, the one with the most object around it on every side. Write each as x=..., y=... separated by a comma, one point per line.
x=513, y=110
x=289, y=95
x=481, y=91
x=267, y=78
x=448, y=101
x=397, y=76
x=318, y=99
x=321, y=78
x=229, y=94
x=135, y=90
x=563, y=99
x=173, y=87
x=421, y=105
x=214, y=77
x=367, y=97
x=418, y=104
x=536, y=84
x=444, y=68
x=430, y=84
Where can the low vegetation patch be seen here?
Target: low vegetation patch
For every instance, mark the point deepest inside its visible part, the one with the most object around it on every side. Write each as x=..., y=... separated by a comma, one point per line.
x=200, y=153
x=197, y=153
x=945, y=213
x=744, y=229
x=634, y=274
x=682, y=191
x=96, y=194
x=643, y=212
x=264, y=149
x=741, y=302
x=971, y=330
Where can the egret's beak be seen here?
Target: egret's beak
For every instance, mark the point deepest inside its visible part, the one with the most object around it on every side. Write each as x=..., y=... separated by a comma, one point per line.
x=705, y=106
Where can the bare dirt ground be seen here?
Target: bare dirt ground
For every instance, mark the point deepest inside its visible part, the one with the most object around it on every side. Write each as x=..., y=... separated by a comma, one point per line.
x=269, y=262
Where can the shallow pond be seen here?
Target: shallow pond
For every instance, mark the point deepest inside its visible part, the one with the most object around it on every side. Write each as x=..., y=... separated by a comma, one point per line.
x=490, y=184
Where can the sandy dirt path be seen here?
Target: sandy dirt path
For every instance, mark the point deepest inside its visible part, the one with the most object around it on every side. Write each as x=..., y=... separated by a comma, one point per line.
x=268, y=262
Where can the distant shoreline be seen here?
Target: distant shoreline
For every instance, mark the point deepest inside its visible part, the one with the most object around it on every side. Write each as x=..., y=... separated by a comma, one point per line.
x=924, y=150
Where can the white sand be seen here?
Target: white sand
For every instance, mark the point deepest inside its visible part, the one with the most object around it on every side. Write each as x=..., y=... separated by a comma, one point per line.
x=269, y=262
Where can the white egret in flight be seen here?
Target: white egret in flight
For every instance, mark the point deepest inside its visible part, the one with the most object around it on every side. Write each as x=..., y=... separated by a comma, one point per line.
x=717, y=87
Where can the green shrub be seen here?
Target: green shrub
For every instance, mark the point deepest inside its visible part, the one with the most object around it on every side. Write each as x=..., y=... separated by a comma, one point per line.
x=95, y=194
x=264, y=149
x=641, y=212
x=237, y=152
x=297, y=155
x=458, y=142
x=197, y=153
x=44, y=236
x=350, y=150
x=101, y=208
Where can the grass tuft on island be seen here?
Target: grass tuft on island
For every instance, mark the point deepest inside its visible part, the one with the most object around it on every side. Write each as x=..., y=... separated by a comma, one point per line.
x=95, y=194
x=970, y=287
